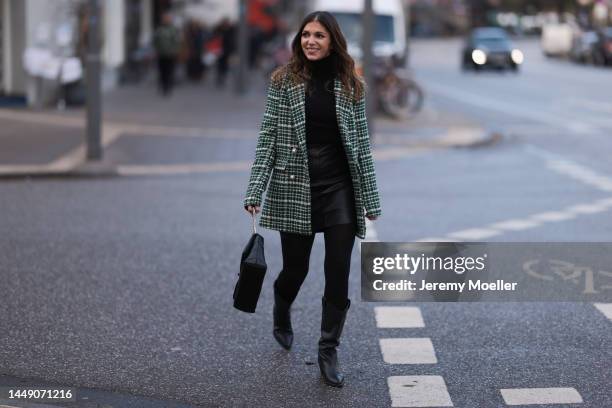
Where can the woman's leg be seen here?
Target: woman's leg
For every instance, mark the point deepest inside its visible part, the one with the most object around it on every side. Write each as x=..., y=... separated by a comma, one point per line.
x=339, y=241
x=296, y=256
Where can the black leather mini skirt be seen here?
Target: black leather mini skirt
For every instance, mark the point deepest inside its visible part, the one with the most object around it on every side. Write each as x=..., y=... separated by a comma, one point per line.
x=332, y=205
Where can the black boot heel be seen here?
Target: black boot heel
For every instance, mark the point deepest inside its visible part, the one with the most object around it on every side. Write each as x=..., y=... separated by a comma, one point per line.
x=332, y=323
x=283, y=332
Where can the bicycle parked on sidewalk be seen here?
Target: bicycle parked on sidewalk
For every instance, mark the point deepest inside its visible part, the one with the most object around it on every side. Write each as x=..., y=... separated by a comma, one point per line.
x=397, y=93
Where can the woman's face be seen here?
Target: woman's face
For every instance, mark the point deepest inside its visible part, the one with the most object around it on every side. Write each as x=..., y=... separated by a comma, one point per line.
x=316, y=41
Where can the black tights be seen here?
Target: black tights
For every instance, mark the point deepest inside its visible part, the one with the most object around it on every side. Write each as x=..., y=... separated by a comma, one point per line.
x=339, y=240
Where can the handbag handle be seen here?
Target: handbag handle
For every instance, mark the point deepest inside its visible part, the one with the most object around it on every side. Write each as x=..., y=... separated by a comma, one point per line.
x=254, y=227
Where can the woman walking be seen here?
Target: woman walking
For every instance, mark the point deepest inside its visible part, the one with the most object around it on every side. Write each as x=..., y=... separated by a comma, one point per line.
x=314, y=145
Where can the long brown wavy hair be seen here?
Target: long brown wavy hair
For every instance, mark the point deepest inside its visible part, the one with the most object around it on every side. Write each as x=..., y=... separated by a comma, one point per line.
x=297, y=71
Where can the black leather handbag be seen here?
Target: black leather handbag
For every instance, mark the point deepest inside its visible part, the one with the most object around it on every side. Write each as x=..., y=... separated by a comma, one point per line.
x=252, y=272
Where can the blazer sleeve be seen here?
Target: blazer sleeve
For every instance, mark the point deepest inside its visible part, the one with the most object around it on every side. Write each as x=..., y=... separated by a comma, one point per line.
x=265, y=151
x=371, y=200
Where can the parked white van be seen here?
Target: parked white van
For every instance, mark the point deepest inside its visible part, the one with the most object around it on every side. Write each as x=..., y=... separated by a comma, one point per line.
x=389, y=25
x=557, y=39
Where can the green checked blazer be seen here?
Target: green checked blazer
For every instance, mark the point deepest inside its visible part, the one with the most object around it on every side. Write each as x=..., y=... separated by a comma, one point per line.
x=281, y=157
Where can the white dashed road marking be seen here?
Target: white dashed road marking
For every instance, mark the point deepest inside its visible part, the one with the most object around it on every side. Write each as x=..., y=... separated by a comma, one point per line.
x=560, y=165
x=605, y=308
x=581, y=174
x=474, y=234
x=410, y=391
x=588, y=208
x=388, y=317
x=439, y=239
x=531, y=396
x=515, y=225
x=572, y=169
x=418, y=391
x=552, y=216
x=532, y=221
x=408, y=351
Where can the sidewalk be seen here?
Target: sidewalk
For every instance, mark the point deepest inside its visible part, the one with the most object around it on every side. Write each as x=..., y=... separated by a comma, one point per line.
x=144, y=133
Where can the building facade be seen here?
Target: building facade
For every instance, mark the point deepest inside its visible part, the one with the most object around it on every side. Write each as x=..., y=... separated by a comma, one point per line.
x=58, y=30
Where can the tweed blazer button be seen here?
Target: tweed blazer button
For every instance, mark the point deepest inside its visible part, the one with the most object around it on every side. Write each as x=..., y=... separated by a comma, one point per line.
x=294, y=150
x=292, y=177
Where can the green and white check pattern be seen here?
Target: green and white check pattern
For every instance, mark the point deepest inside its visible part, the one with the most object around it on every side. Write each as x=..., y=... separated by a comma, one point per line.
x=281, y=153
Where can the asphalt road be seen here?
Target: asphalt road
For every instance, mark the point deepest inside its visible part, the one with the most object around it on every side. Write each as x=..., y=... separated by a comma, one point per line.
x=124, y=284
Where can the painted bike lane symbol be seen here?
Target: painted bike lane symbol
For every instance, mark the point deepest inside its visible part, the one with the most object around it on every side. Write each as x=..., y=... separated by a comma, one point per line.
x=554, y=269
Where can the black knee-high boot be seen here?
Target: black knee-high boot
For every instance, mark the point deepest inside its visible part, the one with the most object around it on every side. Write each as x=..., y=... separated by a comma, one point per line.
x=332, y=323
x=283, y=332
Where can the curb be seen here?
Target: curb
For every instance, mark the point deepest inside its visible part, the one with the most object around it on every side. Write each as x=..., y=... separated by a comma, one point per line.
x=463, y=138
x=485, y=139
x=453, y=138
x=94, y=169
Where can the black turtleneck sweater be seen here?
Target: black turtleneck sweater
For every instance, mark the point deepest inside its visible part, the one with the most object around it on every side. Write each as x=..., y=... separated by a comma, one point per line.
x=327, y=163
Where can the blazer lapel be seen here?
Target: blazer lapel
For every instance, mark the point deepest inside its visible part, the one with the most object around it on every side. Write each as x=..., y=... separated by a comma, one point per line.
x=341, y=106
x=298, y=112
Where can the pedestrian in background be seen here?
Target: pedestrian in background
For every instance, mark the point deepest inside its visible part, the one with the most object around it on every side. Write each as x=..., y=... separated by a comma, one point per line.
x=194, y=37
x=263, y=25
x=226, y=32
x=314, y=144
x=167, y=43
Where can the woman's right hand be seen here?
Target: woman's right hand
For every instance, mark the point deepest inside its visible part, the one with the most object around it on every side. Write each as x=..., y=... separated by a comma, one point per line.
x=251, y=209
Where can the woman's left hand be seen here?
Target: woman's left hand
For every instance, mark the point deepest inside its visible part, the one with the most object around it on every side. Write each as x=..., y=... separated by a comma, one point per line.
x=371, y=217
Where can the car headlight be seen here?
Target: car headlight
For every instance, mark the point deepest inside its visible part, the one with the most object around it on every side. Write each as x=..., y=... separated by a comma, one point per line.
x=517, y=56
x=479, y=57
